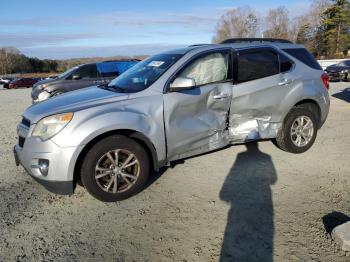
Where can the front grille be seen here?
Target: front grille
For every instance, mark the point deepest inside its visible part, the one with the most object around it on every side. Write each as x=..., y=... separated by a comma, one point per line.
x=21, y=141
x=26, y=122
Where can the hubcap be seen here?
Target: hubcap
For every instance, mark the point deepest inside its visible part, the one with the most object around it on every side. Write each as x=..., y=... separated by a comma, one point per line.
x=302, y=131
x=117, y=171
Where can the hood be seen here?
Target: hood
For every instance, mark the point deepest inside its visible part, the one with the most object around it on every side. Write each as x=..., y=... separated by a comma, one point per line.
x=72, y=102
x=45, y=81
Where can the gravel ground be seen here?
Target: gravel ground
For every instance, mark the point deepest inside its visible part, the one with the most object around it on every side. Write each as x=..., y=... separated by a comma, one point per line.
x=244, y=203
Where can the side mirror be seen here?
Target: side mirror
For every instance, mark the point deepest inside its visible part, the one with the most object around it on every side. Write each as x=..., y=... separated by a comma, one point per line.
x=76, y=77
x=182, y=83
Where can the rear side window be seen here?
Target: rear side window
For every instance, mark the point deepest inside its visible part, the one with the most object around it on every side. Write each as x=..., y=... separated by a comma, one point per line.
x=304, y=56
x=257, y=64
x=285, y=63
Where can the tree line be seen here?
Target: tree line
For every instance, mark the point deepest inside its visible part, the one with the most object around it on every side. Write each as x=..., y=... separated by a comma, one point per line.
x=324, y=28
x=13, y=61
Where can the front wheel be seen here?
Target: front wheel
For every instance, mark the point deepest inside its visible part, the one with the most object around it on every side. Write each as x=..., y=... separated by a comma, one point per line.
x=116, y=168
x=298, y=132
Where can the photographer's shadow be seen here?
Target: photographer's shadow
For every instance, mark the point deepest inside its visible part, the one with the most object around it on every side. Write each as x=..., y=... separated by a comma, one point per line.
x=250, y=230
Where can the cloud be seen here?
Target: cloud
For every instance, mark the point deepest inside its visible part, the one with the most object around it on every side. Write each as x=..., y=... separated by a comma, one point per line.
x=61, y=52
x=64, y=36
x=21, y=40
x=206, y=19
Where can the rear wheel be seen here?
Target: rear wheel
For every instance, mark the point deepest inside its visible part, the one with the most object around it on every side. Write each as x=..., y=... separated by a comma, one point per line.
x=299, y=130
x=115, y=168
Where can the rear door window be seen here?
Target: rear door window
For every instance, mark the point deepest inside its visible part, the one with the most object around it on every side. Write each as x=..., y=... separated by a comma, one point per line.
x=257, y=64
x=304, y=56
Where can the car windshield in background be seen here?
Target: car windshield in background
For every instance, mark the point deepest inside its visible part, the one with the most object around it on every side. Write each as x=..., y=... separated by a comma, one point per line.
x=346, y=63
x=66, y=73
x=114, y=68
x=144, y=74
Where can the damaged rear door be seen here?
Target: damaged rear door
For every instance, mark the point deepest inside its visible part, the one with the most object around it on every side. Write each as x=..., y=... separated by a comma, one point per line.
x=262, y=81
x=196, y=119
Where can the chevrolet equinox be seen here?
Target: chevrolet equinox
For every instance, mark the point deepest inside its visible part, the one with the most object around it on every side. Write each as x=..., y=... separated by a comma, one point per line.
x=171, y=106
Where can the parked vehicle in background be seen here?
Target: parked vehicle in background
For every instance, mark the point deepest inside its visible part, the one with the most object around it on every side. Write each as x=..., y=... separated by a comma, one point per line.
x=22, y=82
x=51, y=77
x=340, y=71
x=172, y=106
x=80, y=77
x=5, y=81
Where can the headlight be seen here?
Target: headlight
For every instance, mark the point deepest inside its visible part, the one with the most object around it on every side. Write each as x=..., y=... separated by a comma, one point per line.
x=343, y=71
x=51, y=125
x=40, y=86
x=43, y=96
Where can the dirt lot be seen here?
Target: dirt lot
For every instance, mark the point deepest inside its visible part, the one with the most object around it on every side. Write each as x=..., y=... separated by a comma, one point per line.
x=254, y=203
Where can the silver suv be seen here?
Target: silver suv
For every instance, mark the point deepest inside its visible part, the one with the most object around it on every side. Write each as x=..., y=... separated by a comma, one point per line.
x=172, y=106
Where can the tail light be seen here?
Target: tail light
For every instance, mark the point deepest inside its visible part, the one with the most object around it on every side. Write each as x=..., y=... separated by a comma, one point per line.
x=325, y=80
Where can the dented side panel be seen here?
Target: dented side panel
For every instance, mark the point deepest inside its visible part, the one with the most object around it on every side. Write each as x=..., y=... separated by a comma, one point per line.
x=254, y=108
x=196, y=120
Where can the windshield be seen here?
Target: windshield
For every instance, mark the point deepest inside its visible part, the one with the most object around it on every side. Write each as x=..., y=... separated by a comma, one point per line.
x=66, y=73
x=144, y=74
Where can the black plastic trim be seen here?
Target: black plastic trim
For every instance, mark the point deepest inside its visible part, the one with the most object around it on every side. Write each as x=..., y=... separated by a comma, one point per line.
x=260, y=40
x=57, y=187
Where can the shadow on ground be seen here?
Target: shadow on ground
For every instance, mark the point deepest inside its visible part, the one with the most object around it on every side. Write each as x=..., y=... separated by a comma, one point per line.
x=250, y=230
x=334, y=219
x=343, y=95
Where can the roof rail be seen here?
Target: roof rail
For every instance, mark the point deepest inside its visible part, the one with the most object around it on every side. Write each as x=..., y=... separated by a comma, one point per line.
x=261, y=40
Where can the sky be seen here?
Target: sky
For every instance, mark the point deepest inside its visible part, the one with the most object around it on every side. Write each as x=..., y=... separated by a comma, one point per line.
x=77, y=28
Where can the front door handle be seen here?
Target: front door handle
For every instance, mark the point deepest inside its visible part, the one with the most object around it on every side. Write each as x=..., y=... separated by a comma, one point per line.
x=221, y=96
x=285, y=81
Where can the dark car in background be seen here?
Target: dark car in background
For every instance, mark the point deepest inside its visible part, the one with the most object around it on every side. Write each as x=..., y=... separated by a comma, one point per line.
x=81, y=76
x=22, y=82
x=340, y=71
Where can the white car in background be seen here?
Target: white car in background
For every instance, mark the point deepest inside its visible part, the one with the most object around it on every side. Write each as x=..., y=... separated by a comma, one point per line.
x=5, y=81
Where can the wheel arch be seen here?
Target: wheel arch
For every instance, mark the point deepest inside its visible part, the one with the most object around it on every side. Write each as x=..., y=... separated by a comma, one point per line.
x=136, y=135
x=313, y=106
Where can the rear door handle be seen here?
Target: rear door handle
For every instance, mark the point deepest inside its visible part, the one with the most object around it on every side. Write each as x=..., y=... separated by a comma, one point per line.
x=221, y=96
x=285, y=81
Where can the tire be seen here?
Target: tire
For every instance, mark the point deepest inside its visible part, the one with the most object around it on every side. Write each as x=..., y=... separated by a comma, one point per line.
x=98, y=156
x=285, y=138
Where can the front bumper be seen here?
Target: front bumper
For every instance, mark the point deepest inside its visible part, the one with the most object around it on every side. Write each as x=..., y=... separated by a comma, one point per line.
x=57, y=187
x=59, y=178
